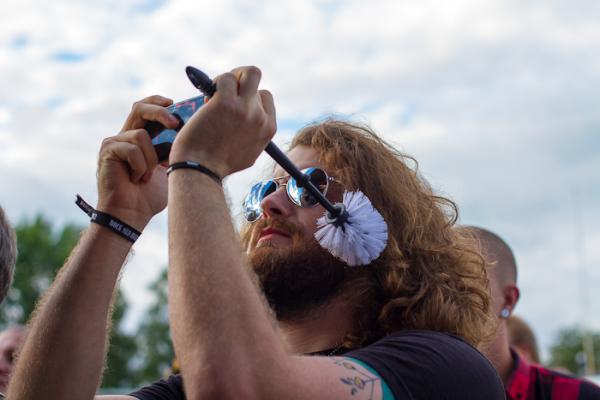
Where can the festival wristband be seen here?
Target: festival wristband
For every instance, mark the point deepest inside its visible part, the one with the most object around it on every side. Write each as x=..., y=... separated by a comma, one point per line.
x=195, y=166
x=107, y=220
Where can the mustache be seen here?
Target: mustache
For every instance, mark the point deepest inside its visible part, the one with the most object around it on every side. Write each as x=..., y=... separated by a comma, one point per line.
x=279, y=224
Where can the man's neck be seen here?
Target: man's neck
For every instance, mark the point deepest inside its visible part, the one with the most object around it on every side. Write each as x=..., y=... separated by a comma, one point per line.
x=324, y=329
x=498, y=352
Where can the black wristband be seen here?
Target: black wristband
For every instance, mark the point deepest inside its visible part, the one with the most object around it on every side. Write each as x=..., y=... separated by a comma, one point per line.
x=197, y=167
x=107, y=220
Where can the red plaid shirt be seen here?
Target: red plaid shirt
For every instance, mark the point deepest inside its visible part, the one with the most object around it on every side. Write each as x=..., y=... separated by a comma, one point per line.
x=534, y=382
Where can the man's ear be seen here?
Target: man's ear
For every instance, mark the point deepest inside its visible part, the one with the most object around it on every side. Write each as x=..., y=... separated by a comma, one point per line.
x=511, y=296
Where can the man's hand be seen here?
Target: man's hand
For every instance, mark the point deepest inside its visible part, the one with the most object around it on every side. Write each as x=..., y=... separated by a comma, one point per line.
x=131, y=184
x=229, y=132
x=65, y=350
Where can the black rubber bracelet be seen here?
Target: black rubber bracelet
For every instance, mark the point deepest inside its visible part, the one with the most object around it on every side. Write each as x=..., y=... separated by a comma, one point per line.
x=195, y=166
x=107, y=220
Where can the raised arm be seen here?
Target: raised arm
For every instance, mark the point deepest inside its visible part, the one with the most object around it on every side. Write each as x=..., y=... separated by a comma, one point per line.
x=225, y=339
x=64, y=353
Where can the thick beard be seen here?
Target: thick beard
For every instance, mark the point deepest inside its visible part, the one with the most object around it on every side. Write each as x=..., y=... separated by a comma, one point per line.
x=297, y=281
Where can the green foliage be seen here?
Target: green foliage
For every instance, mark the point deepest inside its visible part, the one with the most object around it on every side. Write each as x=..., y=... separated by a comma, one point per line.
x=123, y=347
x=42, y=252
x=563, y=353
x=154, y=341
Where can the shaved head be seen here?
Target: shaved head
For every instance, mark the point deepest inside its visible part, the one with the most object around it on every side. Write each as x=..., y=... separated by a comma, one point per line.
x=499, y=256
x=502, y=274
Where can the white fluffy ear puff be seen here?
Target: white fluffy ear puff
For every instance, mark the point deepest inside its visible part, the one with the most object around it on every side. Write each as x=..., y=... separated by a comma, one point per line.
x=359, y=240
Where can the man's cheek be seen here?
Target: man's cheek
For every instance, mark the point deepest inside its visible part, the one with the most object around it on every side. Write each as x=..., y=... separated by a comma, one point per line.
x=311, y=226
x=302, y=240
x=254, y=236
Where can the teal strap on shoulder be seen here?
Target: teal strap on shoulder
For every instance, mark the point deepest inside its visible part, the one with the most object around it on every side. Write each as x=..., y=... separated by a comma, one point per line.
x=385, y=389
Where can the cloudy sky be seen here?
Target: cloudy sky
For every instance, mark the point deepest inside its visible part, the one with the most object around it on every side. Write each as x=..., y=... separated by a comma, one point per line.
x=498, y=100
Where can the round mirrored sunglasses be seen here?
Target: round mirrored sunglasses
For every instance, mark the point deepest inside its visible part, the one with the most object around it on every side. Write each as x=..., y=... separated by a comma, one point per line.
x=297, y=195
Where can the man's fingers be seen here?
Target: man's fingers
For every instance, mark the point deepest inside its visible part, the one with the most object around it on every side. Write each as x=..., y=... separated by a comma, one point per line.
x=144, y=111
x=140, y=138
x=268, y=104
x=151, y=112
x=227, y=85
x=249, y=78
x=158, y=100
x=130, y=154
x=121, y=147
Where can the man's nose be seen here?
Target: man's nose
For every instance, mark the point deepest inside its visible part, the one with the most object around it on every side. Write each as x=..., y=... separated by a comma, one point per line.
x=277, y=204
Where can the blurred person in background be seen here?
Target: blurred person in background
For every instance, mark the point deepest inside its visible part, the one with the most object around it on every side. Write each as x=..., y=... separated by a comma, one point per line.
x=11, y=340
x=8, y=254
x=8, y=259
x=522, y=380
x=522, y=339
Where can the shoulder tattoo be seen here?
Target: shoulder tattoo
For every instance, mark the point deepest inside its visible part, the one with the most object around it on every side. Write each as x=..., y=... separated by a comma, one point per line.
x=359, y=381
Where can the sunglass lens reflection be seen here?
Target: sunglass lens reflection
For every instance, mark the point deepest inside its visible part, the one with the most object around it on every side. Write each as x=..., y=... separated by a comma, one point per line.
x=301, y=196
x=251, y=206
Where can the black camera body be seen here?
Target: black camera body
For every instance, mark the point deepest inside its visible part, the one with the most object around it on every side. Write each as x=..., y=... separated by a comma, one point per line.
x=162, y=138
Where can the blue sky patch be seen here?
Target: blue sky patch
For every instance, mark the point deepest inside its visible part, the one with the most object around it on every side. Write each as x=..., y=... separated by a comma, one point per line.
x=134, y=81
x=19, y=41
x=67, y=56
x=147, y=6
x=55, y=102
x=290, y=124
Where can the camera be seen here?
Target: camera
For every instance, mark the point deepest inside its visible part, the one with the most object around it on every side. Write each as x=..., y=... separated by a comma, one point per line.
x=162, y=138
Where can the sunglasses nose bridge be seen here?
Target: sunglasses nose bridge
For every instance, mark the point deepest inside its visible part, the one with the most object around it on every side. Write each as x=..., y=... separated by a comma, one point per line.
x=277, y=203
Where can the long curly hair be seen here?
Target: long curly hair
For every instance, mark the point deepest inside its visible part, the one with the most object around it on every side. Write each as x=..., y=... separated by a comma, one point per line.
x=430, y=276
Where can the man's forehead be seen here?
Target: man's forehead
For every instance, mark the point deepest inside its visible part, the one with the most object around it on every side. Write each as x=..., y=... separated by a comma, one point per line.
x=302, y=157
x=277, y=171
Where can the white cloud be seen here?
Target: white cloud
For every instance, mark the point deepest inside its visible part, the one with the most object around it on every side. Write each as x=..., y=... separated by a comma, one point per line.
x=4, y=116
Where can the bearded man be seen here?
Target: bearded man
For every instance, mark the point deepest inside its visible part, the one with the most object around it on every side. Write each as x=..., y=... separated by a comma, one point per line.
x=404, y=326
